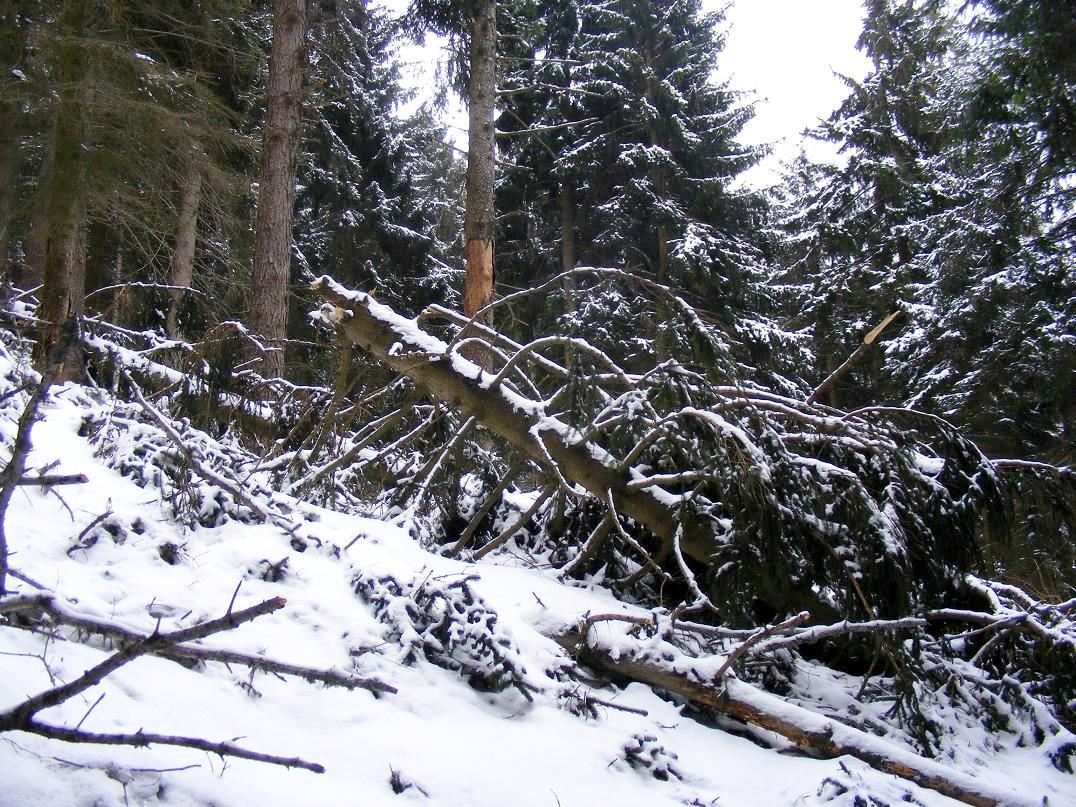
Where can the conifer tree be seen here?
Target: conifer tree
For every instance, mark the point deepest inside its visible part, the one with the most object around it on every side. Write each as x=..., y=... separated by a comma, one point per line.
x=999, y=300
x=943, y=210
x=110, y=99
x=645, y=161
x=63, y=293
x=369, y=189
x=14, y=22
x=472, y=25
x=854, y=230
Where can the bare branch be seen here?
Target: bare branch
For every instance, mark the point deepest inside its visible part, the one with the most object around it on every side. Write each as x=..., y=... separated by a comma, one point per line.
x=19, y=716
x=756, y=637
x=143, y=739
x=47, y=604
x=505, y=536
x=205, y=472
x=54, y=479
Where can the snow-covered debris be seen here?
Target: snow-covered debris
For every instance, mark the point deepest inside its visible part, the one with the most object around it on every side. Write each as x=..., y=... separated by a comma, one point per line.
x=489, y=711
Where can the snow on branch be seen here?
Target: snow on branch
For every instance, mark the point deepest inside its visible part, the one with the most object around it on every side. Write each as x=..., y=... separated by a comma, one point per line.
x=741, y=494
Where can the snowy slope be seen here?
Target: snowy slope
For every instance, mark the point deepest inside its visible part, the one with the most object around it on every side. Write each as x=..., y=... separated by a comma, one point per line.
x=453, y=744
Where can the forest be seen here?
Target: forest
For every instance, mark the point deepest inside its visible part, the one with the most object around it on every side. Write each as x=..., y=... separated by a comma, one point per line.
x=826, y=425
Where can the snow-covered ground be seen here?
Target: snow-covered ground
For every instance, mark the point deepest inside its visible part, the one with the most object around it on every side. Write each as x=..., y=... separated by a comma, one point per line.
x=442, y=740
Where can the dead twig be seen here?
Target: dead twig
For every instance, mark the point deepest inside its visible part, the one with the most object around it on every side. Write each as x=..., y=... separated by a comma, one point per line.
x=22, y=717
x=19, y=716
x=141, y=739
x=53, y=479
x=46, y=604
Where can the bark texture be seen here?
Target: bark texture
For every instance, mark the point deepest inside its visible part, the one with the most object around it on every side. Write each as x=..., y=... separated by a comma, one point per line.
x=32, y=272
x=181, y=268
x=9, y=161
x=12, y=55
x=481, y=161
x=64, y=271
x=268, y=312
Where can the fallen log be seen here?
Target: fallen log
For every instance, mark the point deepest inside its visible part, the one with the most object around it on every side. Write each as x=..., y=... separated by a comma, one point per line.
x=401, y=344
x=821, y=735
x=156, y=377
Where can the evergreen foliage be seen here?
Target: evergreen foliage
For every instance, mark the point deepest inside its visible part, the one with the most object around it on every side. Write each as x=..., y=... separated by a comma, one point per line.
x=941, y=211
x=619, y=150
x=638, y=168
x=373, y=188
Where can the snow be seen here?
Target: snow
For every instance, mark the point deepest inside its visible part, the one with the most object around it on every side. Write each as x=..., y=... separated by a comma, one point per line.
x=447, y=740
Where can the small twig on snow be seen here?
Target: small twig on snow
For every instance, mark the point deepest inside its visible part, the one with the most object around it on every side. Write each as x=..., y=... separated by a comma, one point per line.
x=142, y=739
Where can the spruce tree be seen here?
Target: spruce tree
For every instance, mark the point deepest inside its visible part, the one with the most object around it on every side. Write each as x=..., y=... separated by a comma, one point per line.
x=998, y=309
x=944, y=210
x=471, y=25
x=854, y=239
x=368, y=200
x=650, y=165
x=267, y=313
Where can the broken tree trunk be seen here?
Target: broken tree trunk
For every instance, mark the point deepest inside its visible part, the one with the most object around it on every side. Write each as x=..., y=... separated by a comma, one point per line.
x=846, y=365
x=481, y=161
x=400, y=344
x=822, y=735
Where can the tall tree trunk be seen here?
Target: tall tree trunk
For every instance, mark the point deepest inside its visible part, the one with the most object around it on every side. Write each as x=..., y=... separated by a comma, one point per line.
x=64, y=271
x=181, y=268
x=9, y=163
x=481, y=158
x=32, y=272
x=12, y=56
x=567, y=243
x=267, y=315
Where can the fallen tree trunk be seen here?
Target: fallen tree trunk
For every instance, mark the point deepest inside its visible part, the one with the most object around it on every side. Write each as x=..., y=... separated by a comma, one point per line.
x=158, y=376
x=807, y=729
x=400, y=344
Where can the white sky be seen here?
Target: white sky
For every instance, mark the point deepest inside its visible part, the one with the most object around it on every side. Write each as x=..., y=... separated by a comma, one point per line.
x=786, y=51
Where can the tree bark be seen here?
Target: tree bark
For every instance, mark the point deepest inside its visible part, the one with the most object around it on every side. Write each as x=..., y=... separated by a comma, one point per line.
x=32, y=272
x=181, y=268
x=9, y=162
x=12, y=55
x=64, y=271
x=567, y=243
x=267, y=316
x=481, y=162
x=822, y=735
